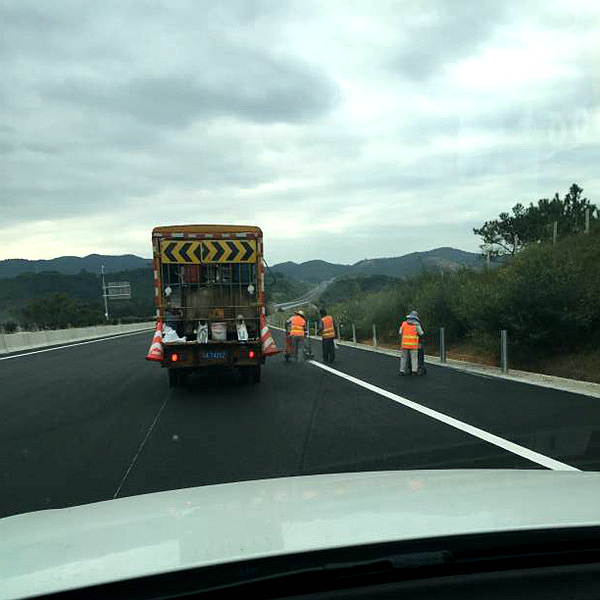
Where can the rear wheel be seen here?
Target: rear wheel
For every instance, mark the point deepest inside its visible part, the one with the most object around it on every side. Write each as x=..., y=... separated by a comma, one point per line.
x=256, y=374
x=174, y=378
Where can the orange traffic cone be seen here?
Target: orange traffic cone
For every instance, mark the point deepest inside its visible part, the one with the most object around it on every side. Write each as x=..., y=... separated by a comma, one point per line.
x=156, y=349
x=268, y=344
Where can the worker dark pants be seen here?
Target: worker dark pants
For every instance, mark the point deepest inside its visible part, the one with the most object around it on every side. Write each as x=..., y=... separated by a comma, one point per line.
x=328, y=351
x=298, y=342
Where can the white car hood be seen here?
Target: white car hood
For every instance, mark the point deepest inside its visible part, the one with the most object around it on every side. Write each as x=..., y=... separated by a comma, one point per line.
x=55, y=550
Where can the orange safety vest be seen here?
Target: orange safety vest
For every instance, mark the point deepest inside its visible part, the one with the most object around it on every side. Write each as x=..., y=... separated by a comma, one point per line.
x=410, y=337
x=328, y=332
x=297, y=328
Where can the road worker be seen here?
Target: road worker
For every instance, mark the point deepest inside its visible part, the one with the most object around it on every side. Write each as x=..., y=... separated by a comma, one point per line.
x=421, y=370
x=327, y=330
x=298, y=331
x=410, y=332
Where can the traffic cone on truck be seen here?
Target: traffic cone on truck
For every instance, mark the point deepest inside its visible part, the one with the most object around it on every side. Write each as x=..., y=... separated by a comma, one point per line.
x=268, y=343
x=156, y=348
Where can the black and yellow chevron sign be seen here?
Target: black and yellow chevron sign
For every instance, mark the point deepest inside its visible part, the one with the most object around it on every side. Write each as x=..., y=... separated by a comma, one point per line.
x=228, y=251
x=181, y=252
x=208, y=251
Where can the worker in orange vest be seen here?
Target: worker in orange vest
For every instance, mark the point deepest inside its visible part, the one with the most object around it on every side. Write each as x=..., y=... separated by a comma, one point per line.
x=410, y=331
x=328, y=336
x=297, y=331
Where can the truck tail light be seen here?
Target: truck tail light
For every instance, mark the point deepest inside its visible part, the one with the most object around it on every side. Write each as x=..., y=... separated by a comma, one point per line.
x=251, y=354
x=174, y=357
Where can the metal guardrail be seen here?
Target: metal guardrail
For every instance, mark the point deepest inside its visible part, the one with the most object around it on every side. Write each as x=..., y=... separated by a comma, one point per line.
x=376, y=342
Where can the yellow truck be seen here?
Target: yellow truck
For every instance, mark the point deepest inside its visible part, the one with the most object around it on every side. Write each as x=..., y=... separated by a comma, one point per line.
x=209, y=295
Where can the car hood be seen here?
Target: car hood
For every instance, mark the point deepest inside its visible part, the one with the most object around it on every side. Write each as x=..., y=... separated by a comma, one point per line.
x=68, y=548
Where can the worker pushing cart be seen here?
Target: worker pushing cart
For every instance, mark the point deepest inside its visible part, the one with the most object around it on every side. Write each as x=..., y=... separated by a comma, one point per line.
x=295, y=334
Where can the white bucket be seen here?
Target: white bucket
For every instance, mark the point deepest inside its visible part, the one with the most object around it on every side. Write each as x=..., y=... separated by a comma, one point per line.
x=219, y=331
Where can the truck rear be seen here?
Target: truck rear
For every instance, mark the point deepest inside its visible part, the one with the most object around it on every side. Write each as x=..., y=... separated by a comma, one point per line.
x=209, y=294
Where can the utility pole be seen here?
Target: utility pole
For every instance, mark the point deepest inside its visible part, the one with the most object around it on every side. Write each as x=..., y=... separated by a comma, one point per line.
x=104, y=293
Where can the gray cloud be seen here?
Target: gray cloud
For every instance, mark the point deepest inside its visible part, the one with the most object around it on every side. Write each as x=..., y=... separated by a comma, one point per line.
x=259, y=89
x=117, y=117
x=440, y=32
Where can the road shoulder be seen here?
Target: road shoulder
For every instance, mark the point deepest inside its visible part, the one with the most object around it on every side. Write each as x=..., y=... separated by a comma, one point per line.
x=586, y=388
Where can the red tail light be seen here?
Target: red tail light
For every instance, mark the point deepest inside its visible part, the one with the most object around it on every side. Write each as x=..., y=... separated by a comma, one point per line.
x=174, y=357
x=251, y=354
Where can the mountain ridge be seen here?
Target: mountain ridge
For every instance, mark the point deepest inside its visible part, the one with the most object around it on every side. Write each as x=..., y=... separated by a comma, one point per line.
x=314, y=271
x=444, y=258
x=71, y=265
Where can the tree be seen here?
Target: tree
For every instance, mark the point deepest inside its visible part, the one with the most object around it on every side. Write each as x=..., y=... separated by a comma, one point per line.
x=504, y=235
x=510, y=233
x=59, y=311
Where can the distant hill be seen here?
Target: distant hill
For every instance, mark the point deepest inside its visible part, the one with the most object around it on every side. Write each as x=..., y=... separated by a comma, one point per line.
x=312, y=270
x=349, y=286
x=448, y=259
x=16, y=292
x=72, y=265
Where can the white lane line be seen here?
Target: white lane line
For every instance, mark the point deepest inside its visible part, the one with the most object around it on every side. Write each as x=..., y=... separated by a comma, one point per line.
x=112, y=337
x=535, y=457
x=139, y=450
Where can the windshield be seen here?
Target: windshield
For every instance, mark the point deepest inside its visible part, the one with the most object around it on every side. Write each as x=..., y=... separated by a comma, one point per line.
x=253, y=240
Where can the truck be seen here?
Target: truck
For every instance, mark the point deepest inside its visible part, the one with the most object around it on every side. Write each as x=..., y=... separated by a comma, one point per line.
x=210, y=299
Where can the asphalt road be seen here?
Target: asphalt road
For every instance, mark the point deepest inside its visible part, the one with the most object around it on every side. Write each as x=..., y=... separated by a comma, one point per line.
x=96, y=421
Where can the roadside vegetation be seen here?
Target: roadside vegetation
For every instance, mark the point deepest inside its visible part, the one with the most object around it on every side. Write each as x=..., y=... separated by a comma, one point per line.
x=546, y=294
x=52, y=300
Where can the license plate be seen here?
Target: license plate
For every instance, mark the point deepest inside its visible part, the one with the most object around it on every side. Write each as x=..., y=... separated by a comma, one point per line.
x=213, y=355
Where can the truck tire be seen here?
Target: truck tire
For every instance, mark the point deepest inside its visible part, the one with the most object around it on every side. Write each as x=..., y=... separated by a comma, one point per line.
x=173, y=378
x=256, y=374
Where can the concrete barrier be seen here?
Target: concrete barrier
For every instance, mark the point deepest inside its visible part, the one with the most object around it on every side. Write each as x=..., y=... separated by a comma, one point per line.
x=29, y=340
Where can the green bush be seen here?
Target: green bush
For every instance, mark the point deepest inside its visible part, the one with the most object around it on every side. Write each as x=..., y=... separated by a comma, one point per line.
x=59, y=311
x=9, y=327
x=546, y=297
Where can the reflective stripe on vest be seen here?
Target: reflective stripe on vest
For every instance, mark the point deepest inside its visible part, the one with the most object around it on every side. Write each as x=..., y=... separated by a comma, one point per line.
x=297, y=328
x=328, y=332
x=410, y=338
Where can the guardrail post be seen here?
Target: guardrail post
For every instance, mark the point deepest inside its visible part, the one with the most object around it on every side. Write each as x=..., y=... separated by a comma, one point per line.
x=339, y=332
x=442, y=345
x=374, y=336
x=504, y=350
x=353, y=333
x=587, y=220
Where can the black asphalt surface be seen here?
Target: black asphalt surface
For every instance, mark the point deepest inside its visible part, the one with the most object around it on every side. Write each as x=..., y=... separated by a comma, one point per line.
x=88, y=423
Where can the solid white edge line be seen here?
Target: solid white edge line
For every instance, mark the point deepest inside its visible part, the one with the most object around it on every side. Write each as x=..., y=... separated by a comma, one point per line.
x=535, y=457
x=104, y=339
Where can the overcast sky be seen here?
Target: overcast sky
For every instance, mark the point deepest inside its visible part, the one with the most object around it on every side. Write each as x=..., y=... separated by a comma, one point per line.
x=345, y=129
